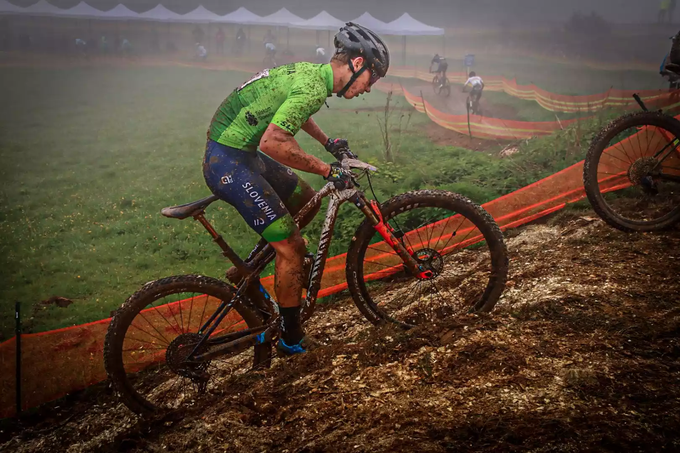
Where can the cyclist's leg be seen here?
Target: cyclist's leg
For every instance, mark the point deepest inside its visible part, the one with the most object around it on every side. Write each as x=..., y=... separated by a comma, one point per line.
x=235, y=176
x=292, y=189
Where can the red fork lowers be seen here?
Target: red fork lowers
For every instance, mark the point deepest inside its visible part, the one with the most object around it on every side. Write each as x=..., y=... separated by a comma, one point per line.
x=405, y=251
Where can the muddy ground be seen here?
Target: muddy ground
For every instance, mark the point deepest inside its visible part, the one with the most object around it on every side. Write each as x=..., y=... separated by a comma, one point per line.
x=581, y=354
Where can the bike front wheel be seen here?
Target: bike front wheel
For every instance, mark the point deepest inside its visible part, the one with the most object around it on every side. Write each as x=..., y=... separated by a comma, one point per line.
x=154, y=331
x=449, y=235
x=631, y=173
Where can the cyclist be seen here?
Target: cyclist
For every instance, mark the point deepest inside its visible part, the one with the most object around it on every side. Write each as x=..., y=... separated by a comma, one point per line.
x=442, y=66
x=476, y=86
x=670, y=66
x=267, y=111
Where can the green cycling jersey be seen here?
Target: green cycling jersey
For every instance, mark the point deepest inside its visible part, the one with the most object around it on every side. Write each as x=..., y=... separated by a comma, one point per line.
x=286, y=96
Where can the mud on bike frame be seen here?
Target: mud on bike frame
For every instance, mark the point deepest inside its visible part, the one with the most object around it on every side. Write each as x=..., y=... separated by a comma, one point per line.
x=250, y=286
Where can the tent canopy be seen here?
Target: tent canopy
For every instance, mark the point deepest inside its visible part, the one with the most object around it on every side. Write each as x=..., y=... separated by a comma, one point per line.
x=408, y=26
x=371, y=22
x=160, y=13
x=200, y=15
x=7, y=7
x=322, y=21
x=83, y=10
x=282, y=17
x=241, y=16
x=120, y=12
x=43, y=8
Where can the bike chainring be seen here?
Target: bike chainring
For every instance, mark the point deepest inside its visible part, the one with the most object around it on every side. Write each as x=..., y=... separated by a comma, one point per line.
x=176, y=357
x=640, y=172
x=432, y=260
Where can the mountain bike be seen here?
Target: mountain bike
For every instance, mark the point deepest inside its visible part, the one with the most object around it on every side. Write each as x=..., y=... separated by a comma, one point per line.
x=631, y=172
x=441, y=85
x=472, y=105
x=415, y=258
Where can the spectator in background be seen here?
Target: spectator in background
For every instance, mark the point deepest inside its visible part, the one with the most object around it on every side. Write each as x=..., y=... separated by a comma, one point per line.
x=219, y=41
x=155, y=41
x=240, y=41
x=126, y=48
x=663, y=10
x=671, y=10
x=198, y=34
x=81, y=48
x=104, y=45
x=201, y=52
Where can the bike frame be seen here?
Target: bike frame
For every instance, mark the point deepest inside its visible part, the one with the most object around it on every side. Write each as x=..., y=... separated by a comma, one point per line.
x=253, y=289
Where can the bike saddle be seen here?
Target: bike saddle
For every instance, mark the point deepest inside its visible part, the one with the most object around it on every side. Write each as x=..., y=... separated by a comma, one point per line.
x=189, y=209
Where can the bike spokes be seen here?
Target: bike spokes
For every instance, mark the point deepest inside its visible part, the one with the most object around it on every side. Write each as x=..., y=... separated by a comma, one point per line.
x=638, y=174
x=160, y=340
x=447, y=246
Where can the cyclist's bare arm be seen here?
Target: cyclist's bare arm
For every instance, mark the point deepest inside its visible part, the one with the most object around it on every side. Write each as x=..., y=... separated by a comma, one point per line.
x=281, y=146
x=315, y=131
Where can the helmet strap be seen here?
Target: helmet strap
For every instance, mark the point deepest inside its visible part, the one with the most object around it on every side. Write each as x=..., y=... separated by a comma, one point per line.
x=355, y=75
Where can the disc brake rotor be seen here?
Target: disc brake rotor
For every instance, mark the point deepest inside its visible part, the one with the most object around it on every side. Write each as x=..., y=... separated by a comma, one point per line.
x=176, y=357
x=431, y=260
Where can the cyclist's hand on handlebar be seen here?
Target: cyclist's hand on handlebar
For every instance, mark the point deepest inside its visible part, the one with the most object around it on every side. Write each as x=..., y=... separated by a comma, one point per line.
x=340, y=177
x=339, y=148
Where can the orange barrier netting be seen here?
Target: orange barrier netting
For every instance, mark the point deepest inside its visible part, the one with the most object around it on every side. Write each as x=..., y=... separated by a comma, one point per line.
x=549, y=101
x=497, y=128
x=61, y=361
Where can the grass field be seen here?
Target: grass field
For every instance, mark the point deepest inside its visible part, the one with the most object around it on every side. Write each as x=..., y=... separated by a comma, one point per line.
x=89, y=156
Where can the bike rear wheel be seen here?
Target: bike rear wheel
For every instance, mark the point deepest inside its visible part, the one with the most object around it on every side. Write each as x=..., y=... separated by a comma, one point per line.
x=451, y=236
x=151, y=334
x=631, y=173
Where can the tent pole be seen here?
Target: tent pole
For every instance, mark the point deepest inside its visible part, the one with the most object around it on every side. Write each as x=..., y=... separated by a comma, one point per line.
x=329, y=39
x=249, y=37
x=403, y=51
x=288, y=37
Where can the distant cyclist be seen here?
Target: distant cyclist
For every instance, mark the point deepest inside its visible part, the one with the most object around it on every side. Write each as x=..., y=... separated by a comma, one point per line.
x=475, y=85
x=441, y=67
x=670, y=66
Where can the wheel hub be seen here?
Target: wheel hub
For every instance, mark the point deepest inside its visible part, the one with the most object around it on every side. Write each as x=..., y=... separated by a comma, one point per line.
x=177, y=353
x=430, y=260
x=640, y=172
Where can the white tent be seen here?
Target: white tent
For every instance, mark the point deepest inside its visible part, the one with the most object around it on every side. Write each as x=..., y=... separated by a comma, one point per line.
x=7, y=7
x=371, y=22
x=200, y=15
x=160, y=13
x=407, y=25
x=240, y=16
x=43, y=8
x=322, y=21
x=121, y=12
x=83, y=10
x=282, y=17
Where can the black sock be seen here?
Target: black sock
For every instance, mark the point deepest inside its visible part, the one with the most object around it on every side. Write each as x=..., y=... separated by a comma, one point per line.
x=292, y=329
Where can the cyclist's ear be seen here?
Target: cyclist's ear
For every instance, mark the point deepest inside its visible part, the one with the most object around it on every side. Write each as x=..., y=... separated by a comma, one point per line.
x=358, y=62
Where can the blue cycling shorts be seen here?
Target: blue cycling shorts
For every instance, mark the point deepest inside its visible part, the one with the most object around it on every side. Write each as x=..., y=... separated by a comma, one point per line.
x=262, y=190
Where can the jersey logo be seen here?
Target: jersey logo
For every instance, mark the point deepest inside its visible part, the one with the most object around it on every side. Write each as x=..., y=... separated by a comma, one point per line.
x=250, y=118
x=258, y=76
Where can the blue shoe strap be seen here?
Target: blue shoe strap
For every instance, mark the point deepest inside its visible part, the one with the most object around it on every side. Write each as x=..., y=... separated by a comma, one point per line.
x=295, y=349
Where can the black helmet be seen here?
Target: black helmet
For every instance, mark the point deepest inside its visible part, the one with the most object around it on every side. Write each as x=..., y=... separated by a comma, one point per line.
x=473, y=74
x=358, y=41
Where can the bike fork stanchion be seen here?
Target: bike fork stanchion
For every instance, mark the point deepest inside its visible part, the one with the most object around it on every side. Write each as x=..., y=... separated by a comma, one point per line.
x=17, y=331
x=467, y=107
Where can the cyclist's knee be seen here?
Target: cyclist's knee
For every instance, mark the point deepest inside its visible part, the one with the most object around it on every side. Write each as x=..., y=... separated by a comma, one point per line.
x=291, y=247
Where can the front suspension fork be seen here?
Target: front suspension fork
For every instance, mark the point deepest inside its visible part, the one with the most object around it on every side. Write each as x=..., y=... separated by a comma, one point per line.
x=371, y=210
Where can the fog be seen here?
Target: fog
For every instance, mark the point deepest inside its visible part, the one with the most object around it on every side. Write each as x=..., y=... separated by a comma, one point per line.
x=441, y=13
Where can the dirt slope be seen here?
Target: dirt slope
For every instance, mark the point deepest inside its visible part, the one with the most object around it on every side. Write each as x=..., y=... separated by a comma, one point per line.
x=582, y=353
